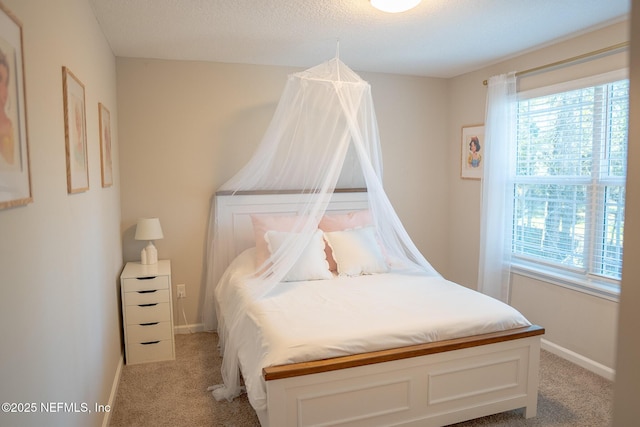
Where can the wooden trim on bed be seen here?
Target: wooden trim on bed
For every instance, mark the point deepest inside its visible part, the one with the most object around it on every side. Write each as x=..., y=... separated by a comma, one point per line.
x=260, y=192
x=333, y=364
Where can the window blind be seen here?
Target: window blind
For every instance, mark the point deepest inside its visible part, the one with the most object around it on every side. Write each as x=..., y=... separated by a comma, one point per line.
x=569, y=190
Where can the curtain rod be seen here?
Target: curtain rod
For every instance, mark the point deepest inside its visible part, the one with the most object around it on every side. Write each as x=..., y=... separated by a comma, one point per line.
x=572, y=59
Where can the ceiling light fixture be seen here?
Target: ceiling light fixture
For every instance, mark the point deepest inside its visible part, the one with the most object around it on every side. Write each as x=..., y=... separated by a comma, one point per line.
x=394, y=6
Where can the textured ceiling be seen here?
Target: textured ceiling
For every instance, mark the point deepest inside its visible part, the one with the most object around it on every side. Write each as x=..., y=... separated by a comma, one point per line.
x=439, y=38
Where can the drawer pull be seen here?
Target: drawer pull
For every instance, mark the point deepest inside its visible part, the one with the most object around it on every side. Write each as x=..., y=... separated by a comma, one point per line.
x=149, y=342
x=149, y=324
x=147, y=305
x=146, y=278
x=148, y=292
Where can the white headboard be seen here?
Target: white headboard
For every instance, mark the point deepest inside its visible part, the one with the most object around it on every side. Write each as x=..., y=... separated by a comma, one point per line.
x=233, y=213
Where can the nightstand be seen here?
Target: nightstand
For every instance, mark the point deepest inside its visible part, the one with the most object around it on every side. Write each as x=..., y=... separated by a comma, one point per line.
x=147, y=312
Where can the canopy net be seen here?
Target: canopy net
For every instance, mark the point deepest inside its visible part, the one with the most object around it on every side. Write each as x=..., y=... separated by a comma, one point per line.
x=323, y=136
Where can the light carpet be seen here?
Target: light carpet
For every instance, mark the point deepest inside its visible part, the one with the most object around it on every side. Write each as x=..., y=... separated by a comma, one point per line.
x=175, y=394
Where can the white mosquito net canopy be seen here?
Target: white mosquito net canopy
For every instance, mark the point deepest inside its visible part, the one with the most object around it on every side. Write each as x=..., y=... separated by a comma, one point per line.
x=323, y=136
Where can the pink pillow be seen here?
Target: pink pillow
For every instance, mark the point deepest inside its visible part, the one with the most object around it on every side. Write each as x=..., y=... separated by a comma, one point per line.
x=264, y=223
x=341, y=222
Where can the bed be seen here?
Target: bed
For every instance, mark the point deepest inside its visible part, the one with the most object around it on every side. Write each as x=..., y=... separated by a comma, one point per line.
x=457, y=371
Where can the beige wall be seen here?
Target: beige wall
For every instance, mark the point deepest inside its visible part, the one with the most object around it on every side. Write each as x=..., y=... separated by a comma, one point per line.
x=60, y=256
x=564, y=313
x=576, y=321
x=411, y=112
x=627, y=386
x=467, y=106
x=187, y=127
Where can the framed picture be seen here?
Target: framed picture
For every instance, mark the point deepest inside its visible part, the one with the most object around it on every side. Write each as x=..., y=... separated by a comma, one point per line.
x=471, y=152
x=15, y=175
x=105, y=145
x=75, y=132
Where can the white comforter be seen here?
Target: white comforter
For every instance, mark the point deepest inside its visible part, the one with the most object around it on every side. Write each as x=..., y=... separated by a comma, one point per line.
x=303, y=321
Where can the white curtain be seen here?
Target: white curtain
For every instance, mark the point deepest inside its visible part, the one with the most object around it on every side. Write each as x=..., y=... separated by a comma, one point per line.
x=497, y=187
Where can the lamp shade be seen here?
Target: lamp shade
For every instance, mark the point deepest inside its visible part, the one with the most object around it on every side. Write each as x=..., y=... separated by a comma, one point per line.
x=148, y=229
x=394, y=6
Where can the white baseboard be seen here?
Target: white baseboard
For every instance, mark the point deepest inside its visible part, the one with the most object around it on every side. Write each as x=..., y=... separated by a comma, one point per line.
x=188, y=329
x=114, y=391
x=578, y=359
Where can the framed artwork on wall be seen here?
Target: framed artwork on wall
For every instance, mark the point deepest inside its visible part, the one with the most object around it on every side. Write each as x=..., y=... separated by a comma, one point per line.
x=471, y=152
x=15, y=174
x=75, y=132
x=105, y=145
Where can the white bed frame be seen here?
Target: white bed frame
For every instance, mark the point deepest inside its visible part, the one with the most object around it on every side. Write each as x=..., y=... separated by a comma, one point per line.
x=431, y=384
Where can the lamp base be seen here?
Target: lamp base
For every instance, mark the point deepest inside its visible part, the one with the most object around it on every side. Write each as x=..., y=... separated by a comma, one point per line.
x=149, y=255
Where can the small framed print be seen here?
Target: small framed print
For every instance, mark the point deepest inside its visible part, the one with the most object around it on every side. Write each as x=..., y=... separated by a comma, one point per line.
x=105, y=145
x=15, y=173
x=471, y=152
x=75, y=132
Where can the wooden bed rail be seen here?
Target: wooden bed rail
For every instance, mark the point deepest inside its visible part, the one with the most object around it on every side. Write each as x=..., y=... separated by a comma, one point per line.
x=333, y=364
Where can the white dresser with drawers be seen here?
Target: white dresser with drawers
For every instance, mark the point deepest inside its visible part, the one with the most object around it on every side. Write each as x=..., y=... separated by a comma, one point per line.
x=147, y=312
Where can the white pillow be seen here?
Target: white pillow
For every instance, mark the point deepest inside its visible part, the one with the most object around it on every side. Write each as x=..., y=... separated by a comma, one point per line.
x=356, y=251
x=312, y=263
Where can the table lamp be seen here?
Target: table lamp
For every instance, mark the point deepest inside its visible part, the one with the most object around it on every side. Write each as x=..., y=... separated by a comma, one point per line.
x=149, y=229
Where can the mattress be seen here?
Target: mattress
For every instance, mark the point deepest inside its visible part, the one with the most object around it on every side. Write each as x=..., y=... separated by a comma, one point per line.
x=319, y=319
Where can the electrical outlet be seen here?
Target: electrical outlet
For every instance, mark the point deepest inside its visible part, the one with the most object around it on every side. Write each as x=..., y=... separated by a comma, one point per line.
x=182, y=292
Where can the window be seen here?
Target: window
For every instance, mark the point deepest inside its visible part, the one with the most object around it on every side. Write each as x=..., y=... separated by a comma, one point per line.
x=570, y=171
